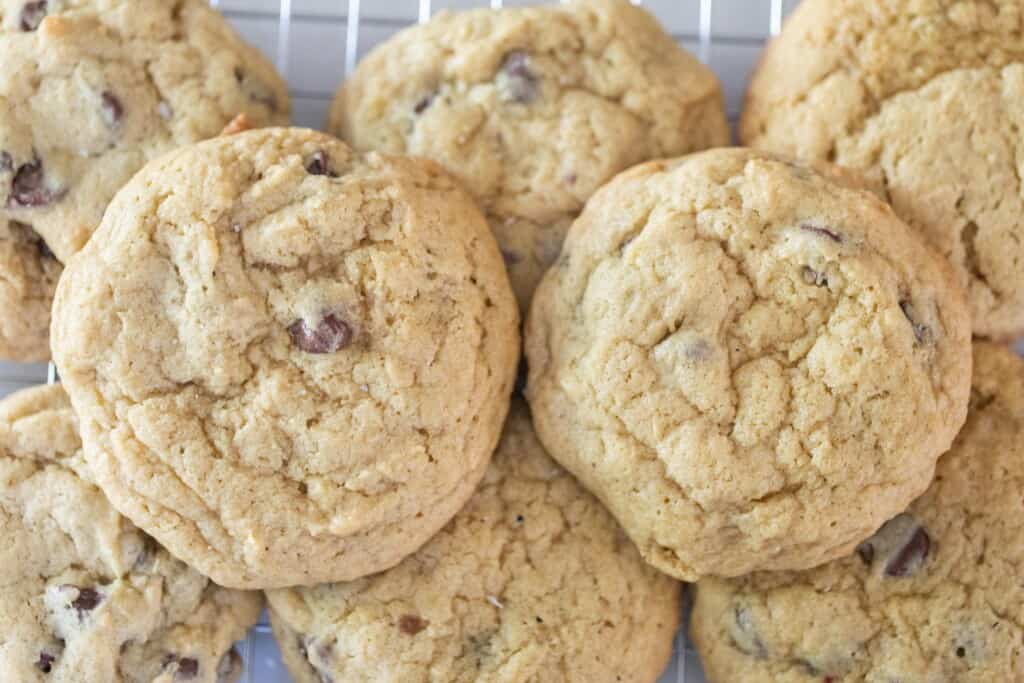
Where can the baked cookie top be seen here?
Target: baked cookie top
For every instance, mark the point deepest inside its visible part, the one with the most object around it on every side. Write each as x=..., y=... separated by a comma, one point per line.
x=291, y=361
x=935, y=595
x=753, y=366
x=927, y=98
x=532, y=580
x=28, y=277
x=93, y=89
x=533, y=109
x=87, y=597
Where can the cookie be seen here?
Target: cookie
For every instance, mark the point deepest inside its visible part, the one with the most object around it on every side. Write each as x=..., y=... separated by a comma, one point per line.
x=533, y=109
x=875, y=85
x=934, y=595
x=87, y=597
x=28, y=278
x=291, y=361
x=753, y=366
x=90, y=91
x=532, y=581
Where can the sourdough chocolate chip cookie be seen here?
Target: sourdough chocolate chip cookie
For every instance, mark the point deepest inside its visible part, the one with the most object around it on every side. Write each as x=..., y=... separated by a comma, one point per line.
x=751, y=365
x=533, y=110
x=532, y=581
x=87, y=597
x=927, y=98
x=935, y=595
x=89, y=91
x=291, y=361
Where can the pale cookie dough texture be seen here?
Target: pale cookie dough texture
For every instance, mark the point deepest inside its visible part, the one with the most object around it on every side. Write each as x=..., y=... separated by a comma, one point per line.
x=291, y=361
x=926, y=98
x=90, y=90
x=87, y=597
x=935, y=595
x=752, y=366
x=532, y=581
x=533, y=109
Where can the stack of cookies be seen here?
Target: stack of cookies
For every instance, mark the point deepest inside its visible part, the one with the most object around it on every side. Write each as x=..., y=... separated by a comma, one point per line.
x=289, y=363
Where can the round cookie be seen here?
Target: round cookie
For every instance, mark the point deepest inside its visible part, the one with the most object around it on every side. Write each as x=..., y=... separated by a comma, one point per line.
x=28, y=277
x=533, y=109
x=879, y=86
x=87, y=597
x=753, y=366
x=291, y=361
x=90, y=91
x=532, y=580
x=935, y=595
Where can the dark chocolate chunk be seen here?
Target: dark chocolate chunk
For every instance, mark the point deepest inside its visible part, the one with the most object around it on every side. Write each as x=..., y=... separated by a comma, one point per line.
x=32, y=14
x=28, y=189
x=824, y=232
x=318, y=165
x=424, y=103
x=911, y=556
x=87, y=600
x=813, y=277
x=330, y=335
x=902, y=546
x=746, y=636
x=410, y=624
x=45, y=662
x=113, y=110
x=517, y=81
x=922, y=333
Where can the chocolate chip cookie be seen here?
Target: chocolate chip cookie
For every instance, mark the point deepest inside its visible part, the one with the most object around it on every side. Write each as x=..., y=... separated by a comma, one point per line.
x=291, y=361
x=928, y=100
x=935, y=595
x=90, y=91
x=533, y=109
x=532, y=581
x=87, y=597
x=753, y=366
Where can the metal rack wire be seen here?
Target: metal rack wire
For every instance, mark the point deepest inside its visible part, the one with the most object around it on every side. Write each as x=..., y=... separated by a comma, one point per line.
x=350, y=21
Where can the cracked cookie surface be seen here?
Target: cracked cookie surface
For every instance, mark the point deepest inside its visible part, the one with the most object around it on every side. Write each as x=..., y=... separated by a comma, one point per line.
x=935, y=595
x=533, y=110
x=752, y=366
x=927, y=99
x=86, y=596
x=90, y=91
x=532, y=580
x=291, y=361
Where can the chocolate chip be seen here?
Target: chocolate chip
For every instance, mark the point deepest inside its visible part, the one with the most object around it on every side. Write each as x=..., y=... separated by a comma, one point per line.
x=824, y=232
x=318, y=165
x=424, y=103
x=922, y=333
x=45, y=662
x=331, y=334
x=185, y=668
x=517, y=81
x=87, y=601
x=813, y=277
x=520, y=519
x=410, y=624
x=746, y=636
x=32, y=14
x=28, y=189
x=113, y=111
x=902, y=544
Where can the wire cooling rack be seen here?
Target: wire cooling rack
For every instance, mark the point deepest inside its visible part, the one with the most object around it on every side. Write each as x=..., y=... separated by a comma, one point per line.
x=315, y=43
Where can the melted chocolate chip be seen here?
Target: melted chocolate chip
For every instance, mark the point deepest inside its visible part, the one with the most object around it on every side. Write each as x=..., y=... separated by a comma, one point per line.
x=424, y=103
x=410, y=624
x=824, y=232
x=517, y=81
x=318, y=165
x=813, y=277
x=28, y=189
x=113, y=111
x=922, y=333
x=32, y=14
x=902, y=545
x=45, y=662
x=87, y=601
x=331, y=334
x=746, y=636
